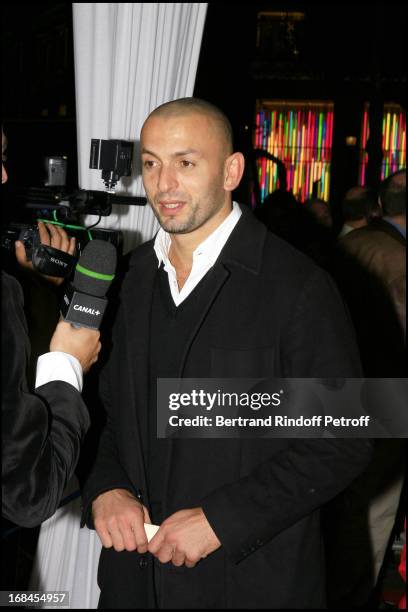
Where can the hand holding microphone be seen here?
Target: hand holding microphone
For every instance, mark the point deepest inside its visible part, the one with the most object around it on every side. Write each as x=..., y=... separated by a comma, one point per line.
x=82, y=343
x=84, y=303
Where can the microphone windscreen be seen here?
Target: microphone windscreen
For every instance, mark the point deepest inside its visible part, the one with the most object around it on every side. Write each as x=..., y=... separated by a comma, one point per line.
x=96, y=267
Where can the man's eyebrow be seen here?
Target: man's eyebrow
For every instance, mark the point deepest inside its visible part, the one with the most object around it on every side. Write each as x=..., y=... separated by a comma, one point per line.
x=176, y=154
x=148, y=152
x=186, y=152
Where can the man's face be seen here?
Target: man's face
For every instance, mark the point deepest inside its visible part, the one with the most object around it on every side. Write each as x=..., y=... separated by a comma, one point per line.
x=183, y=160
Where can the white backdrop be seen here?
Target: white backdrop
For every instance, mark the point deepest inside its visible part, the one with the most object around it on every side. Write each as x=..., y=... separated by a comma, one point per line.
x=129, y=58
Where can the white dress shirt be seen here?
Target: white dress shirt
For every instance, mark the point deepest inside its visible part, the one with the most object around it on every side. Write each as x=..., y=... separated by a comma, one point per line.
x=59, y=366
x=204, y=256
x=346, y=229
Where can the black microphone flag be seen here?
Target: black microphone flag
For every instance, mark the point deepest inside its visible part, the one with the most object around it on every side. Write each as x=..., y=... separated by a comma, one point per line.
x=84, y=301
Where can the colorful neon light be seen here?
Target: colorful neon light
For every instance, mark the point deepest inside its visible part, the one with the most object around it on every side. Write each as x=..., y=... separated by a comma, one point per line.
x=299, y=134
x=393, y=141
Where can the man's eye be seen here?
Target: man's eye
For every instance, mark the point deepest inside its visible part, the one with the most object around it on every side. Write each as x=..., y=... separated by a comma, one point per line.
x=148, y=163
x=186, y=163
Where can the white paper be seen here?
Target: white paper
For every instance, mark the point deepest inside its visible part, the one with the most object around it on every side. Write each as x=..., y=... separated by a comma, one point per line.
x=150, y=530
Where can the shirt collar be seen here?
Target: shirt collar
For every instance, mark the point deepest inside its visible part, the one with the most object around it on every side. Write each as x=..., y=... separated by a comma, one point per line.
x=210, y=248
x=392, y=222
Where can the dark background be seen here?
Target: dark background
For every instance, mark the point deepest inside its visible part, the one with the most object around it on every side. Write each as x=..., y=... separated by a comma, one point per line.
x=349, y=53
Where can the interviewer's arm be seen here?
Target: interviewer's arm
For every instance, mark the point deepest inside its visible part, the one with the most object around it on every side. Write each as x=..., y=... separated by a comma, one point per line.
x=42, y=431
x=72, y=352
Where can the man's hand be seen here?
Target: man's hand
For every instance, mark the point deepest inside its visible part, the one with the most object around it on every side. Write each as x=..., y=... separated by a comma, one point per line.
x=51, y=235
x=185, y=537
x=82, y=343
x=119, y=519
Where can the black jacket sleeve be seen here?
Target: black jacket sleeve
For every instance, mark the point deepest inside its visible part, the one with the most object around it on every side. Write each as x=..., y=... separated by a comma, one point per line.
x=42, y=431
x=246, y=514
x=107, y=472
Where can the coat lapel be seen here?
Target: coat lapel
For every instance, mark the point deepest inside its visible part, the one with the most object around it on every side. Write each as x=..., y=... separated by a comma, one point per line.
x=137, y=301
x=244, y=248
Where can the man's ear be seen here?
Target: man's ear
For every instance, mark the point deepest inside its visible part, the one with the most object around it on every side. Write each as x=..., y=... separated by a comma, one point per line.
x=234, y=169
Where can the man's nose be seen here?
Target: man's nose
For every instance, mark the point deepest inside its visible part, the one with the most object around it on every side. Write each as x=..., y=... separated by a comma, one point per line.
x=167, y=179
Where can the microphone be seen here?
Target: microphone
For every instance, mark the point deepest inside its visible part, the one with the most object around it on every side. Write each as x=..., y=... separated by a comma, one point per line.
x=84, y=301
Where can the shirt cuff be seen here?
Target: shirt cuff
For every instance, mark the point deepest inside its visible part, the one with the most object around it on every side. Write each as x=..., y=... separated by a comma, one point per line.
x=59, y=366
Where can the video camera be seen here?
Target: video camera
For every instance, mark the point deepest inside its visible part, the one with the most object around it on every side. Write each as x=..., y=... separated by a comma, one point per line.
x=54, y=203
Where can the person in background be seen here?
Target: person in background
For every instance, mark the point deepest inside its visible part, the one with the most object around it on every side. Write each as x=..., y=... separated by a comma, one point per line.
x=42, y=428
x=359, y=206
x=320, y=211
x=371, y=274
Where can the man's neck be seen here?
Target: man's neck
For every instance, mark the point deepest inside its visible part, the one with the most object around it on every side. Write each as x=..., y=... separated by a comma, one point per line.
x=183, y=246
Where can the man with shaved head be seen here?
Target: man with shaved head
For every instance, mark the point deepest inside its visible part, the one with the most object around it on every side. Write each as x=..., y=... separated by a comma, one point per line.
x=167, y=130
x=213, y=295
x=194, y=106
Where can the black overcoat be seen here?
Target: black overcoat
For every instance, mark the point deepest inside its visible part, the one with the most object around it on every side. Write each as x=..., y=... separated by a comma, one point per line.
x=270, y=312
x=41, y=431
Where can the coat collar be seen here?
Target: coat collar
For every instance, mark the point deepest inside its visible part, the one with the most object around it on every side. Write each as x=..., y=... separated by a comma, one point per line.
x=246, y=243
x=243, y=248
x=387, y=228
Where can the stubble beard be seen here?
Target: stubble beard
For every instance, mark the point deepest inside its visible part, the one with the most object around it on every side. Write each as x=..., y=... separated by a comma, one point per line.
x=196, y=218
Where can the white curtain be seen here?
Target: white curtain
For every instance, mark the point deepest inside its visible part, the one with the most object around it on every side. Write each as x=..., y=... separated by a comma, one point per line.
x=129, y=58
x=67, y=556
